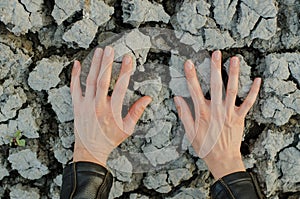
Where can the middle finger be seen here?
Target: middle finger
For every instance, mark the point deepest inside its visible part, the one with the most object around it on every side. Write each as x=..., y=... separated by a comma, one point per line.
x=216, y=83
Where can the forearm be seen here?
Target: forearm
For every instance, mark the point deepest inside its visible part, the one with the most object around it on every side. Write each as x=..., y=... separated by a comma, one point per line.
x=86, y=180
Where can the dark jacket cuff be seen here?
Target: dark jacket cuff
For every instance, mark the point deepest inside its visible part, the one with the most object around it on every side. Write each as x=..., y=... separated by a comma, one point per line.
x=85, y=180
x=241, y=185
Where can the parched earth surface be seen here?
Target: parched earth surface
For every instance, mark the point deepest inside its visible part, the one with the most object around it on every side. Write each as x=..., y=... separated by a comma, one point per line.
x=39, y=40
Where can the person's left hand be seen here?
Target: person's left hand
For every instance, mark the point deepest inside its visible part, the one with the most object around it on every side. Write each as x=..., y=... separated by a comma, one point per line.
x=98, y=123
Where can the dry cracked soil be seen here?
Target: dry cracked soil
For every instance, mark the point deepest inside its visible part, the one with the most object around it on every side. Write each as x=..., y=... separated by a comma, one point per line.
x=40, y=39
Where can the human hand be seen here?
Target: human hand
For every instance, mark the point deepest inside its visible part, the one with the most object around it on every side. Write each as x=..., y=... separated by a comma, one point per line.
x=98, y=123
x=216, y=133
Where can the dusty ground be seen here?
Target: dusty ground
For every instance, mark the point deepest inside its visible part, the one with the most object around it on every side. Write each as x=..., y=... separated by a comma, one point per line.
x=39, y=40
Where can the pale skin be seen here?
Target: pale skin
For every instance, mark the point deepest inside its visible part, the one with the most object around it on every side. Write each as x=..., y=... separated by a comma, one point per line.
x=98, y=109
x=225, y=156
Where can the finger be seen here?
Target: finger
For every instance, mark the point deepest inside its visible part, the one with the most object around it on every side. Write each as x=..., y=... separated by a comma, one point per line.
x=251, y=97
x=216, y=83
x=91, y=80
x=121, y=85
x=75, y=87
x=186, y=117
x=233, y=82
x=104, y=76
x=134, y=114
x=194, y=86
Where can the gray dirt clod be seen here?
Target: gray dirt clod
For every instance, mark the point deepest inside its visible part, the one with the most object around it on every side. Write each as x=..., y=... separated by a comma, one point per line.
x=136, y=12
x=46, y=73
x=117, y=190
x=292, y=101
x=265, y=153
x=160, y=156
x=82, y=33
x=290, y=36
x=58, y=180
x=137, y=196
x=22, y=16
x=98, y=11
x=27, y=164
x=266, y=8
x=178, y=175
x=66, y=134
x=13, y=62
x=122, y=168
x=52, y=36
x=13, y=65
x=189, y=193
x=62, y=154
x=280, y=96
x=24, y=192
x=60, y=99
x=158, y=182
x=215, y=39
x=289, y=165
x=267, y=11
x=224, y=16
x=11, y=101
x=266, y=29
x=191, y=16
x=247, y=20
x=3, y=171
x=65, y=9
x=27, y=122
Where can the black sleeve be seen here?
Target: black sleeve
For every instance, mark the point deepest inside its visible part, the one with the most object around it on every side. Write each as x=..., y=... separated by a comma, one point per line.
x=85, y=180
x=238, y=185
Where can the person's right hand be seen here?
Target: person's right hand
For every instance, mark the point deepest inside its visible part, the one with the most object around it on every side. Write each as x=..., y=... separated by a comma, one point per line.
x=216, y=133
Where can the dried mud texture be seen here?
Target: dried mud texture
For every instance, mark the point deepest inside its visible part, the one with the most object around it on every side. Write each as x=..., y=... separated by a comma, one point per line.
x=39, y=40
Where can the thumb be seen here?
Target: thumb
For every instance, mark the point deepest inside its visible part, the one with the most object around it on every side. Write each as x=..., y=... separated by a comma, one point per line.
x=134, y=114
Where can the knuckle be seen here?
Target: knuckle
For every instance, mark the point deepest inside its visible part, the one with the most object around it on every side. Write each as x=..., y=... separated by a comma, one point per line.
x=190, y=74
x=247, y=103
x=232, y=91
x=103, y=84
x=90, y=80
x=216, y=86
x=137, y=111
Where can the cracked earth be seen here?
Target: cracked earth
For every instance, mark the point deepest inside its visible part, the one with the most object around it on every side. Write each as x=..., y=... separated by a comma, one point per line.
x=39, y=40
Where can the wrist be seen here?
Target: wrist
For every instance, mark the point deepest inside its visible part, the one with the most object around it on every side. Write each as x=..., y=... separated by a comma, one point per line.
x=225, y=165
x=83, y=155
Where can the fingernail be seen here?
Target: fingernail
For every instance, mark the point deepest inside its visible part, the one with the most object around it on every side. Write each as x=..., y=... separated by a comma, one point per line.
x=217, y=55
x=258, y=81
x=235, y=61
x=108, y=51
x=97, y=51
x=147, y=102
x=127, y=59
x=75, y=65
x=189, y=64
